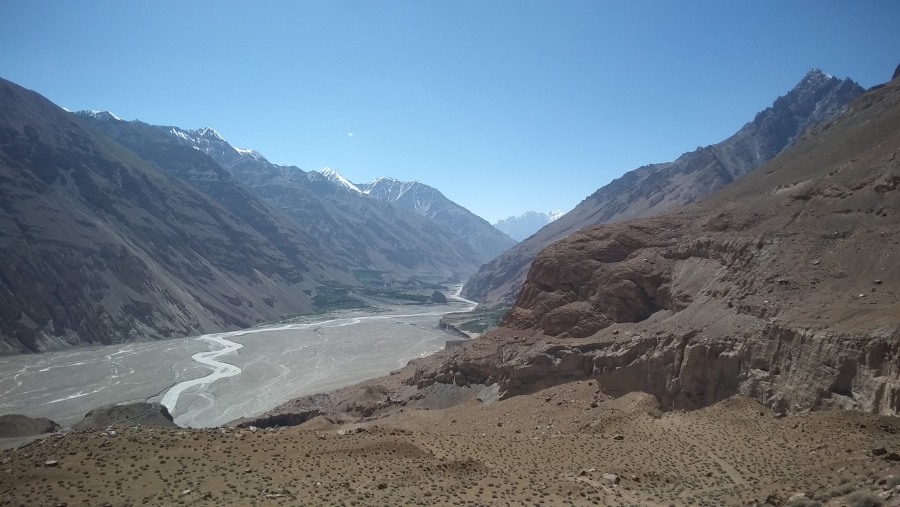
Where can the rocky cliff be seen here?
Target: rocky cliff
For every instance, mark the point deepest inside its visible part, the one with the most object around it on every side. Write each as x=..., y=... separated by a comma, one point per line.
x=783, y=286
x=655, y=188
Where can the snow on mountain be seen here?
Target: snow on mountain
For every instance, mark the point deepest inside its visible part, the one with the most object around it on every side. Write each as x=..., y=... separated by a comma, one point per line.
x=100, y=115
x=338, y=179
x=209, y=141
x=411, y=194
x=523, y=226
x=255, y=155
x=429, y=201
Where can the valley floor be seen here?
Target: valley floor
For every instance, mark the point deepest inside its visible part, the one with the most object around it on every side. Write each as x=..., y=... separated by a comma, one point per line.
x=553, y=447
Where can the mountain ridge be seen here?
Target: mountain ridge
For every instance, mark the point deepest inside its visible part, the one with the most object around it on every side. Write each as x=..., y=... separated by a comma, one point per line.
x=653, y=188
x=525, y=225
x=428, y=201
x=101, y=246
x=361, y=233
x=781, y=287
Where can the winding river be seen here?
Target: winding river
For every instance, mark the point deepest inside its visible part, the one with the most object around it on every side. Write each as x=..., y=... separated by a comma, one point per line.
x=209, y=380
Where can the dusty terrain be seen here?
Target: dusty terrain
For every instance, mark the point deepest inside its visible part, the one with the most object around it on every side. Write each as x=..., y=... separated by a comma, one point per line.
x=550, y=448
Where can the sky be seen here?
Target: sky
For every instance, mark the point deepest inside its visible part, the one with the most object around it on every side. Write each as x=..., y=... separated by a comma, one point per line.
x=504, y=106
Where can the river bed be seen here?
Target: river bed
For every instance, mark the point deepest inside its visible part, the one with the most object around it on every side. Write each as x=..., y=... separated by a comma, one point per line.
x=212, y=379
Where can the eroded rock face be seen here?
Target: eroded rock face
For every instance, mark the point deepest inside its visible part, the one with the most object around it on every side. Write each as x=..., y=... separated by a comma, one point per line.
x=784, y=287
x=594, y=281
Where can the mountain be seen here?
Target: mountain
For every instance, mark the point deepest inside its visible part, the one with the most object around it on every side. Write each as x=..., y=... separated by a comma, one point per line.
x=782, y=287
x=203, y=173
x=651, y=189
x=484, y=238
x=521, y=227
x=337, y=179
x=367, y=236
x=101, y=246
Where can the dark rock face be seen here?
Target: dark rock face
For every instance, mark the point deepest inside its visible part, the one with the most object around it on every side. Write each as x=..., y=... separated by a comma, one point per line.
x=781, y=287
x=438, y=297
x=15, y=425
x=101, y=246
x=652, y=189
x=132, y=414
x=292, y=413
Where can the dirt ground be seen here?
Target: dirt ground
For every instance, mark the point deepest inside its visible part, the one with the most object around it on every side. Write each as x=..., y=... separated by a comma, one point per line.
x=567, y=445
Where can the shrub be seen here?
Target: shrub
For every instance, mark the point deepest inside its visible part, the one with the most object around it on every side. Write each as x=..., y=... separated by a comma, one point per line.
x=863, y=499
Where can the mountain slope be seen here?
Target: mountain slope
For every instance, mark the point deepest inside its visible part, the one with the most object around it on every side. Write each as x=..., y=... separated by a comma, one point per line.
x=359, y=232
x=654, y=188
x=202, y=172
x=782, y=287
x=486, y=240
x=98, y=245
x=526, y=224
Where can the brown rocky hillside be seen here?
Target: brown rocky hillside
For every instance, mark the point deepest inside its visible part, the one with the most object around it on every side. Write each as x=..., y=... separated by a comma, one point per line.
x=784, y=287
x=655, y=188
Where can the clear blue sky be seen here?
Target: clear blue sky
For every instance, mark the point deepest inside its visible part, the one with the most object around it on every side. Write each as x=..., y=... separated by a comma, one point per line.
x=505, y=106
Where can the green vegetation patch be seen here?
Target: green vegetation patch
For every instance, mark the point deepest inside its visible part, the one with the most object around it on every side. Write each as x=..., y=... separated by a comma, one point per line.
x=335, y=298
x=395, y=294
x=369, y=277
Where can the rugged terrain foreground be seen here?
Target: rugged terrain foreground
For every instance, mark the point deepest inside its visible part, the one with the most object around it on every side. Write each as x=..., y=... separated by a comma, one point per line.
x=567, y=445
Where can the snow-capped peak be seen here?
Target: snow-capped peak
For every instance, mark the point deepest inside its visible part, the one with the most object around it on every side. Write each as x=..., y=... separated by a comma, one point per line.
x=337, y=178
x=205, y=135
x=100, y=115
x=250, y=153
x=554, y=215
x=208, y=132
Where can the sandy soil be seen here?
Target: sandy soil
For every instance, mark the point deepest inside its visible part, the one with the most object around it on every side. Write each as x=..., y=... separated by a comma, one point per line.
x=550, y=448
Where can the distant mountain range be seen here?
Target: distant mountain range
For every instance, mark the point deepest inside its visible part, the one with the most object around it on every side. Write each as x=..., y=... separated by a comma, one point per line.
x=521, y=227
x=361, y=228
x=482, y=242
x=424, y=200
x=651, y=189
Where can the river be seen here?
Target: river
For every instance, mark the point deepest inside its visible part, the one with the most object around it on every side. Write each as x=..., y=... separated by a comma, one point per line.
x=209, y=380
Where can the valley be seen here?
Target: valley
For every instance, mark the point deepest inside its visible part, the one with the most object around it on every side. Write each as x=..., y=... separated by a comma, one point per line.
x=185, y=322
x=265, y=366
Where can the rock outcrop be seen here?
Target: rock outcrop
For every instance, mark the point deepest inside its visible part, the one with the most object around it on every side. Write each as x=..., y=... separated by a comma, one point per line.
x=783, y=286
x=129, y=414
x=16, y=425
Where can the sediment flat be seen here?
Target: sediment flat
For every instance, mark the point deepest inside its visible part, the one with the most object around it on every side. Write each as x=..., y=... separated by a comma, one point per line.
x=275, y=363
